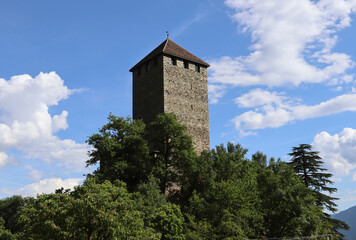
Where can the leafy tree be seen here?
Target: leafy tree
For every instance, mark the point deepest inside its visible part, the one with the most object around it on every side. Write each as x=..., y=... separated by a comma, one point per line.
x=121, y=147
x=200, y=177
x=122, y=151
x=92, y=211
x=5, y=234
x=288, y=206
x=169, y=221
x=149, y=198
x=9, y=212
x=260, y=159
x=173, y=151
x=225, y=205
x=308, y=166
x=228, y=161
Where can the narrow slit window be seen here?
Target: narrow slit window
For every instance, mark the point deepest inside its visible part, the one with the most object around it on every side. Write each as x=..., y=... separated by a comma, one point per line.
x=191, y=106
x=197, y=68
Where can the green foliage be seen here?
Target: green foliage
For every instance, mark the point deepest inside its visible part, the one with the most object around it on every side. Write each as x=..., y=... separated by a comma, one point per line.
x=92, y=211
x=227, y=206
x=198, y=229
x=173, y=152
x=227, y=161
x=5, y=234
x=307, y=164
x=169, y=221
x=287, y=204
x=151, y=184
x=149, y=198
x=9, y=212
x=260, y=159
x=121, y=149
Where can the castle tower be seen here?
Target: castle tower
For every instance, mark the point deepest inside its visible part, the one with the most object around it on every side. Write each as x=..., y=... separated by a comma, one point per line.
x=171, y=79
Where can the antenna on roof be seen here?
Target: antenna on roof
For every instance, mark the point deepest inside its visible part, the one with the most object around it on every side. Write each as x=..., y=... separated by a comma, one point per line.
x=167, y=34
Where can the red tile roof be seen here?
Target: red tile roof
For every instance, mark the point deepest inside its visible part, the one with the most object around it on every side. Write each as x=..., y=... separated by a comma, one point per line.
x=169, y=47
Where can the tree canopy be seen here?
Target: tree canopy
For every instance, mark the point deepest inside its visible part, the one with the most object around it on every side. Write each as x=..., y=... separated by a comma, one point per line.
x=151, y=184
x=307, y=164
x=91, y=211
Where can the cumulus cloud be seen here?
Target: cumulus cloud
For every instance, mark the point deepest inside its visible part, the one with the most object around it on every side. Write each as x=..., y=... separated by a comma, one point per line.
x=272, y=109
x=292, y=43
x=48, y=185
x=27, y=126
x=338, y=151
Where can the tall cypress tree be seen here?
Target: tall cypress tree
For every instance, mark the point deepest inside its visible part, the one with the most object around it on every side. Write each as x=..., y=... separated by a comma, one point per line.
x=307, y=164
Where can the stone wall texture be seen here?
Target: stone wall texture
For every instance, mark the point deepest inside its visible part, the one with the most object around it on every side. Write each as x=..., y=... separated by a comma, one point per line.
x=174, y=88
x=186, y=94
x=148, y=91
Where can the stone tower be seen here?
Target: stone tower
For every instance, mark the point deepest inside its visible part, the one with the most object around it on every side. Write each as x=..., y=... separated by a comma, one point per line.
x=171, y=79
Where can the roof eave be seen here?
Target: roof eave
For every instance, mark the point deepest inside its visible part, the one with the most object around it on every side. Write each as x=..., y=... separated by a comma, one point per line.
x=203, y=63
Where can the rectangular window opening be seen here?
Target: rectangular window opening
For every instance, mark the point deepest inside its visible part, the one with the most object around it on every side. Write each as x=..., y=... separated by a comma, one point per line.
x=186, y=64
x=197, y=68
x=174, y=61
x=147, y=67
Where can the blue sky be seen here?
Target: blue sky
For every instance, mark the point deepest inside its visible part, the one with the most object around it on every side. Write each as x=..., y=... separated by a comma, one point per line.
x=282, y=73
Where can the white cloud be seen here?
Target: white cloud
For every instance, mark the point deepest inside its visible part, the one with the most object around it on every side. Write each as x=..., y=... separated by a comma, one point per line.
x=274, y=110
x=292, y=43
x=44, y=186
x=60, y=121
x=215, y=92
x=338, y=151
x=258, y=97
x=27, y=126
x=34, y=174
x=5, y=160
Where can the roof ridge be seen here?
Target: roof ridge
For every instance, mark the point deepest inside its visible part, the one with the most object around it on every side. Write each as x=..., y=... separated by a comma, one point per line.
x=165, y=45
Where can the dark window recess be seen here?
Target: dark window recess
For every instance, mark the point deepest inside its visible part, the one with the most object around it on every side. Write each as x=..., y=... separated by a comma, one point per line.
x=174, y=61
x=147, y=67
x=191, y=106
x=139, y=71
x=197, y=68
x=186, y=64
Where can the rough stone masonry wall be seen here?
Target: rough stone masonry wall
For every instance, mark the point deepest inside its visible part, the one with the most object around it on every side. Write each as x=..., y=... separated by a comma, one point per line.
x=186, y=94
x=148, y=91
